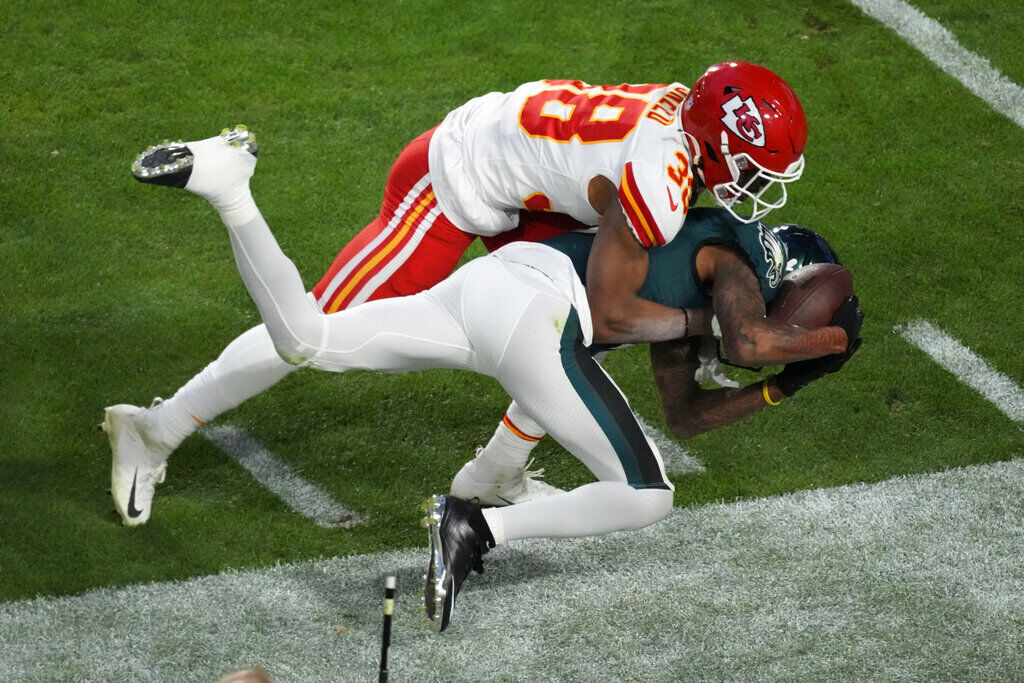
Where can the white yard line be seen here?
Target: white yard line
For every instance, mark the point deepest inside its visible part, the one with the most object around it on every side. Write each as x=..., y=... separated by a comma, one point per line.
x=914, y=578
x=677, y=460
x=966, y=366
x=940, y=46
x=302, y=496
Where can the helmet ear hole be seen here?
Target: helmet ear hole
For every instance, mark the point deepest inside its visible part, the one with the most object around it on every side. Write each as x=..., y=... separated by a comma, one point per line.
x=710, y=152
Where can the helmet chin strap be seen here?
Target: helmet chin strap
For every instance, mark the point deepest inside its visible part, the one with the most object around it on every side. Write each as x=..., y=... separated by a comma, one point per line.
x=696, y=160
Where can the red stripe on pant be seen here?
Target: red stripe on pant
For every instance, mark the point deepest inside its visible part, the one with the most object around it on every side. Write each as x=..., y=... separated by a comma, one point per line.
x=433, y=259
x=388, y=252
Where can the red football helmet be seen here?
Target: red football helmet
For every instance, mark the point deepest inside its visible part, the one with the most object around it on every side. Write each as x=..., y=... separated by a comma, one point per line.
x=747, y=132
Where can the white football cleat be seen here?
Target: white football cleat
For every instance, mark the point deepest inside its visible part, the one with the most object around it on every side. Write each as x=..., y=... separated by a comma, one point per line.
x=139, y=462
x=479, y=485
x=213, y=168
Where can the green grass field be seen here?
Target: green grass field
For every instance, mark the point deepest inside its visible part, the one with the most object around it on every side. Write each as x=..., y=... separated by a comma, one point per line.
x=111, y=291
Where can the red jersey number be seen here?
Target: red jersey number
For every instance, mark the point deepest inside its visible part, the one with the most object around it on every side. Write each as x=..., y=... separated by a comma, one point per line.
x=566, y=114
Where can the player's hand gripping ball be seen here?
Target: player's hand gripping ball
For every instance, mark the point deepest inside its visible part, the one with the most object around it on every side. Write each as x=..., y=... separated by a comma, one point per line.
x=816, y=296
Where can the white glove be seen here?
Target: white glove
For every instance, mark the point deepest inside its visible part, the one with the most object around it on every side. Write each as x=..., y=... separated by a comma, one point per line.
x=710, y=369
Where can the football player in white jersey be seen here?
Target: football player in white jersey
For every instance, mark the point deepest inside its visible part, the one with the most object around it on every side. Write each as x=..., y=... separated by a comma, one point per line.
x=628, y=158
x=522, y=316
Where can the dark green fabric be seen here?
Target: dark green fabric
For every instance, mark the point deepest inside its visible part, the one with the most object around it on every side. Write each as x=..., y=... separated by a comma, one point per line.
x=671, y=278
x=610, y=409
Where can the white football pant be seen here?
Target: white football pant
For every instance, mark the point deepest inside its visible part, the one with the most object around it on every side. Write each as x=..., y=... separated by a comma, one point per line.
x=509, y=315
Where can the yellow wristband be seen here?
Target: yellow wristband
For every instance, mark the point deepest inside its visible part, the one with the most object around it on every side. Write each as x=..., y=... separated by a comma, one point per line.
x=767, y=397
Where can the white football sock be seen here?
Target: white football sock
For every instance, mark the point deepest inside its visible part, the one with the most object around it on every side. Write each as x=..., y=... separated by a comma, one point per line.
x=509, y=449
x=593, y=509
x=220, y=173
x=249, y=365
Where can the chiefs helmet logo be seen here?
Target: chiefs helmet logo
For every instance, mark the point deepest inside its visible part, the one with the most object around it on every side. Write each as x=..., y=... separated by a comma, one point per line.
x=744, y=120
x=774, y=255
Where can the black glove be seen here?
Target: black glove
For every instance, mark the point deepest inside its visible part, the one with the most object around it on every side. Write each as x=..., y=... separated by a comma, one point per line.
x=796, y=376
x=850, y=318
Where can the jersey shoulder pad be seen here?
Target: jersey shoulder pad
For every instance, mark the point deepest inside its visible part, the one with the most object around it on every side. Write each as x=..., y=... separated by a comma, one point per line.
x=655, y=195
x=766, y=253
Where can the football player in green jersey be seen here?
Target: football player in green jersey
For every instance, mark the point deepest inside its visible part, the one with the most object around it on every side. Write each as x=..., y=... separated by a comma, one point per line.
x=748, y=263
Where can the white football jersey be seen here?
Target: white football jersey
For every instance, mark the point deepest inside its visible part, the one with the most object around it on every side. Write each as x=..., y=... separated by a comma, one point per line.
x=539, y=146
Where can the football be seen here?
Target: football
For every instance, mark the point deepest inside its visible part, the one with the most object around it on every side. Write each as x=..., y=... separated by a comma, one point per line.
x=810, y=296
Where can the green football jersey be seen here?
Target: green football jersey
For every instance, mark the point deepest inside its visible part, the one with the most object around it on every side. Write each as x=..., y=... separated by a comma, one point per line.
x=672, y=276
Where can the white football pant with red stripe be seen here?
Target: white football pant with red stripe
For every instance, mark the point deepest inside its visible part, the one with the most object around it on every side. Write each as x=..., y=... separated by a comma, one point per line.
x=409, y=247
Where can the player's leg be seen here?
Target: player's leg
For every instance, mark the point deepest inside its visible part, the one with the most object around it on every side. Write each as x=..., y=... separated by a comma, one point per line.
x=141, y=439
x=407, y=248
x=498, y=474
x=400, y=334
x=397, y=334
x=575, y=401
x=541, y=361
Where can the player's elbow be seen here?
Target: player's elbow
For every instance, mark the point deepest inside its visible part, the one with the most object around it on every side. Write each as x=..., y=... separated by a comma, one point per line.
x=740, y=350
x=748, y=345
x=610, y=325
x=685, y=427
x=686, y=424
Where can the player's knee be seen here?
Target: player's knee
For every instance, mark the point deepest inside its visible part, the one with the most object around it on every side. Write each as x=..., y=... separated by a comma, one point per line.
x=649, y=506
x=298, y=338
x=290, y=351
x=659, y=503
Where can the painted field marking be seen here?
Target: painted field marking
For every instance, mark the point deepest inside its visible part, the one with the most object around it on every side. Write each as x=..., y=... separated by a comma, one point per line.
x=966, y=366
x=940, y=46
x=677, y=460
x=302, y=496
x=917, y=577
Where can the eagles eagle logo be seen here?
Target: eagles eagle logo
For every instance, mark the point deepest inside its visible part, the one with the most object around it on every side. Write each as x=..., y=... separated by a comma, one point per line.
x=774, y=255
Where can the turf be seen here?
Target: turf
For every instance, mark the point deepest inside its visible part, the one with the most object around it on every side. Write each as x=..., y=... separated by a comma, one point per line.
x=115, y=292
x=916, y=578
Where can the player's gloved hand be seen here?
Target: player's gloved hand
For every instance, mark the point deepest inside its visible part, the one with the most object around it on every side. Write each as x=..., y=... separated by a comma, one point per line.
x=796, y=376
x=850, y=318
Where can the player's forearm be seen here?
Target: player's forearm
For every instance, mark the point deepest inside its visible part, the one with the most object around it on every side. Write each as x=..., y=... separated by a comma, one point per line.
x=768, y=342
x=748, y=337
x=690, y=410
x=713, y=408
x=638, y=321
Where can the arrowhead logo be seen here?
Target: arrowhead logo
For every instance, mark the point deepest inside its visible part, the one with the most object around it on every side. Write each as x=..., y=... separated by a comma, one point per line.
x=744, y=120
x=132, y=510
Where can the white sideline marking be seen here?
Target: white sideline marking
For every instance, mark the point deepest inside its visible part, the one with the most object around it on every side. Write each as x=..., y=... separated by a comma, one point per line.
x=914, y=578
x=966, y=366
x=303, y=497
x=677, y=460
x=940, y=46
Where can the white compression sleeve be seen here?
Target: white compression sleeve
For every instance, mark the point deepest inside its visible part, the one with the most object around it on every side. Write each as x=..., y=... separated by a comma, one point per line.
x=248, y=366
x=296, y=326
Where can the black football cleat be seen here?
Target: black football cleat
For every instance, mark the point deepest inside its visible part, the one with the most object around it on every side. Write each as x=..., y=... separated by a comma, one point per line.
x=459, y=538
x=171, y=163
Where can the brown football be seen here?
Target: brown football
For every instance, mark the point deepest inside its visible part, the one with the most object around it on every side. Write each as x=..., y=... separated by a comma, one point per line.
x=810, y=296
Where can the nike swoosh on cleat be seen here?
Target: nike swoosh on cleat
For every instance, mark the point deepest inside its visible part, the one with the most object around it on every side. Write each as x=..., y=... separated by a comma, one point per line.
x=132, y=511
